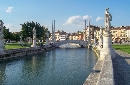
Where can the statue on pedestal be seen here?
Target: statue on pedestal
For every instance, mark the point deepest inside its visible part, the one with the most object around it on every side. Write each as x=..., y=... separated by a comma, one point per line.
x=21, y=42
x=34, y=38
x=108, y=18
x=47, y=38
x=34, y=33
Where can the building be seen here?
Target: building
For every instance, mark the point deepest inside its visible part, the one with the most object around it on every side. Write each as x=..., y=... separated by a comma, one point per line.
x=73, y=36
x=80, y=36
x=92, y=30
x=59, y=36
x=128, y=33
x=62, y=36
x=119, y=34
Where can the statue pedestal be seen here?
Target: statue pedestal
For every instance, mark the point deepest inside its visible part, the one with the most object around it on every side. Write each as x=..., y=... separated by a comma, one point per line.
x=47, y=43
x=89, y=42
x=107, y=46
x=2, y=46
x=34, y=44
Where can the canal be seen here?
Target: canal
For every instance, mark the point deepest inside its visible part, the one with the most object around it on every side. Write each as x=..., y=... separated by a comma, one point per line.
x=55, y=67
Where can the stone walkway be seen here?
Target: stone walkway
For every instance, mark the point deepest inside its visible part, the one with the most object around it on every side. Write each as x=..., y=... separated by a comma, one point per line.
x=121, y=65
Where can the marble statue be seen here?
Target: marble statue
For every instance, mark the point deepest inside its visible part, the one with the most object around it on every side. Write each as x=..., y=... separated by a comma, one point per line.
x=21, y=42
x=108, y=18
x=47, y=38
x=34, y=33
x=107, y=38
x=34, y=38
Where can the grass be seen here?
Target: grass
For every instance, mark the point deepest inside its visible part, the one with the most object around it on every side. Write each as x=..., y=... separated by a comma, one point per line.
x=124, y=48
x=16, y=46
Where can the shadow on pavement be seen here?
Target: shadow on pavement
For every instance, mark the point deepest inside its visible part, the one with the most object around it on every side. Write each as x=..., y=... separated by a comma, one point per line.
x=121, y=69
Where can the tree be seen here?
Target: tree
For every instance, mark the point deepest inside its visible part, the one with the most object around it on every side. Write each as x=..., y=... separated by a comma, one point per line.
x=6, y=33
x=27, y=28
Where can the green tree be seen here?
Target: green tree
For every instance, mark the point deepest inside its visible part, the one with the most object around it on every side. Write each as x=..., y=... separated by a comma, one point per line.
x=6, y=33
x=27, y=28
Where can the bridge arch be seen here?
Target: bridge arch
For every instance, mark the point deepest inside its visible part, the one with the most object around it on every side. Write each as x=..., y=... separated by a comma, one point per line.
x=80, y=42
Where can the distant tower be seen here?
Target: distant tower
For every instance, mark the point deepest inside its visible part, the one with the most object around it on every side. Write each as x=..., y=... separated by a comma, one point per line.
x=1, y=38
x=89, y=37
x=54, y=31
x=85, y=32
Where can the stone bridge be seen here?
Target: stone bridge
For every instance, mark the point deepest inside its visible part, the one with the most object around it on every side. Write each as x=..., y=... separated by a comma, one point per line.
x=80, y=42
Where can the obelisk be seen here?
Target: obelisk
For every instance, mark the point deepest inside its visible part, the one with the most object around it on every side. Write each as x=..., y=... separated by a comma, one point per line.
x=89, y=36
x=54, y=31
x=85, y=32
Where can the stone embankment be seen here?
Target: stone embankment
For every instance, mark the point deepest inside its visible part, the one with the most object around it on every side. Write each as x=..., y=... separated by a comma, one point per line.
x=16, y=53
x=102, y=73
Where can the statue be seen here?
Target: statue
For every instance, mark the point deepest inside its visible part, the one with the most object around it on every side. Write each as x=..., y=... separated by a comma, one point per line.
x=108, y=18
x=47, y=38
x=21, y=42
x=34, y=38
x=1, y=30
x=101, y=30
x=34, y=33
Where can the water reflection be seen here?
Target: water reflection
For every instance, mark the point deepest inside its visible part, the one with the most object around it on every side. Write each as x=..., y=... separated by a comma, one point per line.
x=55, y=67
x=70, y=45
x=2, y=73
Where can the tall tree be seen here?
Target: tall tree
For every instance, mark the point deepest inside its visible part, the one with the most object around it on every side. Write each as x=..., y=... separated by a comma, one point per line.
x=27, y=28
x=6, y=33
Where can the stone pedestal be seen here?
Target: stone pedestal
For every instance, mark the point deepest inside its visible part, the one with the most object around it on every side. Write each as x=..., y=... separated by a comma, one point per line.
x=100, y=45
x=1, y=38
x=107, y=46
x=34, y=44
x=89, y=42
x=47, y=42
x=2, y=46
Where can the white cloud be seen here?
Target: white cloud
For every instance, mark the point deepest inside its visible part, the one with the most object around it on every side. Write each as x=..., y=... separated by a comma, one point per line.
x=9, y=25
x=87, y=17
x=77, y=20
x=9, y=10
x=99, y=19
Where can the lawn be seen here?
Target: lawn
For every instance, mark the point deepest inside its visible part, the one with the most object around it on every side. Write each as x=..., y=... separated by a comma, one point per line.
x=16, y=46
x=124, y=48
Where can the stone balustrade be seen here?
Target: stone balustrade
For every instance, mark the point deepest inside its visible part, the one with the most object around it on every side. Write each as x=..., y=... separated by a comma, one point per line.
x=102, y=73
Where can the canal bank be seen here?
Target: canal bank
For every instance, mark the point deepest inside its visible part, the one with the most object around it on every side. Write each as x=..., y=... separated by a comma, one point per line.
x=102, y=73
x=15, y=53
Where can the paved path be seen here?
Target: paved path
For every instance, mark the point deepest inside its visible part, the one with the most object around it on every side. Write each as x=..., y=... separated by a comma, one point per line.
x=121, y=65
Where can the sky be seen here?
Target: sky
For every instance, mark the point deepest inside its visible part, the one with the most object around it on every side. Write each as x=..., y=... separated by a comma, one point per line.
x=69, y=15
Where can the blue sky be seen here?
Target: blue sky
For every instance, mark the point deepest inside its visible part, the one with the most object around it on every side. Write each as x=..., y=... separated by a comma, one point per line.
x=68, y=14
